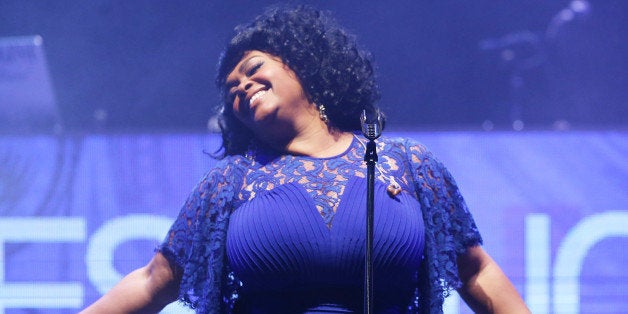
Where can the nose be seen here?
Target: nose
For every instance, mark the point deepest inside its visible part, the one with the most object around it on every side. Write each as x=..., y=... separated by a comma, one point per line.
x=245, y=85
x=242, y=88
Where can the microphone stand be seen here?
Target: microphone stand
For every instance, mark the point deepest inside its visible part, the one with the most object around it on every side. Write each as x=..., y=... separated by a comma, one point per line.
x=371, y=128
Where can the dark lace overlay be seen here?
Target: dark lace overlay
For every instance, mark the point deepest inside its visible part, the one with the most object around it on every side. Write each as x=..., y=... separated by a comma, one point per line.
x=196, y=241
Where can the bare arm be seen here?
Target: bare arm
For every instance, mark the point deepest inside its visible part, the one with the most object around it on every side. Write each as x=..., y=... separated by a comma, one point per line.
x=486, y=289
x=145, y=290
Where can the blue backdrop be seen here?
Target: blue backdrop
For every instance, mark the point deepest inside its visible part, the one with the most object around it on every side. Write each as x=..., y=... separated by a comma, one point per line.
x=148, y=64
x=77, y=212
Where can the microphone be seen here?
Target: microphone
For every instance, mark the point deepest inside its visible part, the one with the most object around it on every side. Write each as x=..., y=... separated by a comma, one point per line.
x=371, y=124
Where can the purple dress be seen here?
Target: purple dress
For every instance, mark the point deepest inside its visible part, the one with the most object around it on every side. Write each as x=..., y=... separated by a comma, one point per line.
x=277, y=233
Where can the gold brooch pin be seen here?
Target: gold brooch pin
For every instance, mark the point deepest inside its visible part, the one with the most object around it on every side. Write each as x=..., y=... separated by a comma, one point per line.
x=393, y=188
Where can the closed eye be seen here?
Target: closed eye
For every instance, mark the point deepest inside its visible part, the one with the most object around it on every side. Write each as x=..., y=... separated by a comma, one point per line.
x=254, y=68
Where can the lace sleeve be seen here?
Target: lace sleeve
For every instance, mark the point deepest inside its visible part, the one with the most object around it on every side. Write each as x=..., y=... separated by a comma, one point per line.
x=195, y=243
x=450, y=228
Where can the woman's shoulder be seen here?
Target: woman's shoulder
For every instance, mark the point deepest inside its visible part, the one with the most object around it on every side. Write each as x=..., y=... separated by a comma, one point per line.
x=226, y=168
x=404, y=144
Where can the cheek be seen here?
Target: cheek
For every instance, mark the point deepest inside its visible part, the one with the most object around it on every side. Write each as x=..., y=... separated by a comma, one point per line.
x=293, y=87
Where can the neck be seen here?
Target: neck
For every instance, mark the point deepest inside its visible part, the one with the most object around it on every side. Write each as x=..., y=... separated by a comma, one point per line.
x=320, y=144
x=314, y=140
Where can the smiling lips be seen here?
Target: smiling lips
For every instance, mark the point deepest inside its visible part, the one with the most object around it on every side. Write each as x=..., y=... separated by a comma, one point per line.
x=256, y=96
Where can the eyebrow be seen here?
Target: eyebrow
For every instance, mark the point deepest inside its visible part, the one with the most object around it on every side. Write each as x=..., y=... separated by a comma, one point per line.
x=243, y=65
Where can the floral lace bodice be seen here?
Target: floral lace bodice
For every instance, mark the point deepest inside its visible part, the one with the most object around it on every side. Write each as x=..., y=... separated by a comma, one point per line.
x=196, y=242
x=323, y=178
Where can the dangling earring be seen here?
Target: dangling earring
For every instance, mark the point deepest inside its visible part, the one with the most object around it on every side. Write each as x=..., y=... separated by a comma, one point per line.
x=322, y=114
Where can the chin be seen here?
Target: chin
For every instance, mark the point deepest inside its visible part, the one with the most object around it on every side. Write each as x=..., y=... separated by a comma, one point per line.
x=264, y=116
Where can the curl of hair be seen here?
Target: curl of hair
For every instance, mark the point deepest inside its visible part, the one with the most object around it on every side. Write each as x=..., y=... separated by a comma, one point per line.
x=333, y=71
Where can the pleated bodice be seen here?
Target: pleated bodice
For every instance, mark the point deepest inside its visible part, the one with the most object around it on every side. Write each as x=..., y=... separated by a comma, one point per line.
x=289, y=258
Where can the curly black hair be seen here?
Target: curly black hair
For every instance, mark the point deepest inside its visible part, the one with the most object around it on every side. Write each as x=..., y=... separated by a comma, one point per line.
x=333, y=71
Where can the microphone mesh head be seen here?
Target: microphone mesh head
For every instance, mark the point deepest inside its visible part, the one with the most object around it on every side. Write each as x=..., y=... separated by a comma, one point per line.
x=371, y=128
